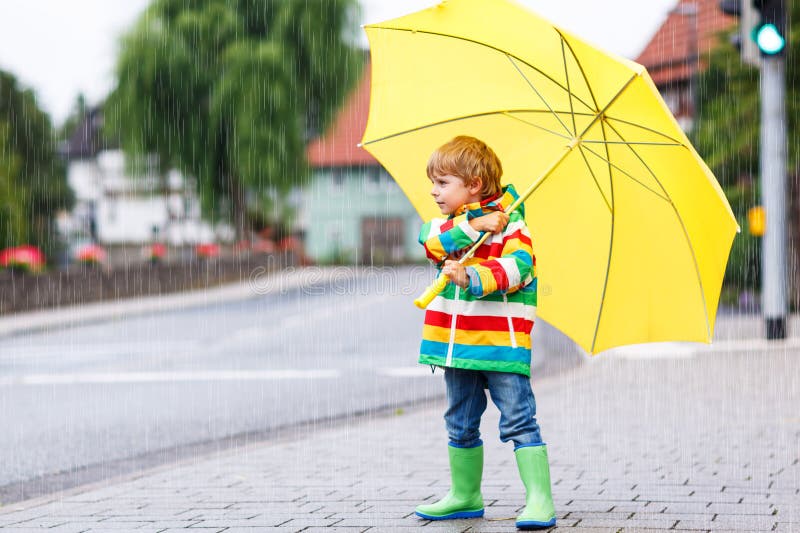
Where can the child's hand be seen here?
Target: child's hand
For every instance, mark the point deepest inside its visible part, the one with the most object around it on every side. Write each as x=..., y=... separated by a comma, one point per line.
x=456, y=272
x=494, y=222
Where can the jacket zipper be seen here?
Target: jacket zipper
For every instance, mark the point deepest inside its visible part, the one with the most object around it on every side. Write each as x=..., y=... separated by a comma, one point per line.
x=449, y=359
x=510, y=323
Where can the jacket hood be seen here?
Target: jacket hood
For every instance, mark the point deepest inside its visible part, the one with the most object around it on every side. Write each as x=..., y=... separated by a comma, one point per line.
x=501, y=202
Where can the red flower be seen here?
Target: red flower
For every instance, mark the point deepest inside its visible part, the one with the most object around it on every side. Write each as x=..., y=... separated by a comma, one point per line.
x=25, y=256
x=207, y=250
x=158, y=251
x=91, y=253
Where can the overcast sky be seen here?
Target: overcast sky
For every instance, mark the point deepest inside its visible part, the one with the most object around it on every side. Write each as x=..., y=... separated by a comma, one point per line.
x=60, y=48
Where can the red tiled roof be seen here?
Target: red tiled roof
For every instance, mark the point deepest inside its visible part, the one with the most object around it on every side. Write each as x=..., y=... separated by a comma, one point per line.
x=338, y=147
x=668, y=52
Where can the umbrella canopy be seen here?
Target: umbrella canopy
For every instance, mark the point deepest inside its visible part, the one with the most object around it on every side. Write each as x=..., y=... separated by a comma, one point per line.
x=630, y=228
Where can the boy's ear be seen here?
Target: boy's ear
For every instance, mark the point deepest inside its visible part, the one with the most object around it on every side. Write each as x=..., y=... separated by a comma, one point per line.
x=477, y=184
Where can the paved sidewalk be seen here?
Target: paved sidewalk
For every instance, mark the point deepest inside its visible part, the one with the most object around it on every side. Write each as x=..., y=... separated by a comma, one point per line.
x=702, y=441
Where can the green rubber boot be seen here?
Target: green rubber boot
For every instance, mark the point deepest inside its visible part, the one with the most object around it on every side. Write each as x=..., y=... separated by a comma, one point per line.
x=534, y=469
x=464, y=499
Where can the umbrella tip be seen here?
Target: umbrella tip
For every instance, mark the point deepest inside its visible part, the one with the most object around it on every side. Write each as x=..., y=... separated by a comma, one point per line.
x=359, y=145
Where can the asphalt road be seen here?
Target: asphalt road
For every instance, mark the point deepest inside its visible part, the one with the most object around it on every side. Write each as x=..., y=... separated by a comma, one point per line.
x=89, y=402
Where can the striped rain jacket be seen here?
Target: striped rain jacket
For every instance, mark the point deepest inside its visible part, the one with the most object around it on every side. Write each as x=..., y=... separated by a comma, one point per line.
x=486, y=326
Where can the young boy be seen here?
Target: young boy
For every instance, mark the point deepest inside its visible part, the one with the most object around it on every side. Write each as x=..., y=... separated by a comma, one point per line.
x=479, y=327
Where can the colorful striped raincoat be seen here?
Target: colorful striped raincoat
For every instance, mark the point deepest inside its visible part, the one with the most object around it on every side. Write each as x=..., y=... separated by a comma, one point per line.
x=486, y=326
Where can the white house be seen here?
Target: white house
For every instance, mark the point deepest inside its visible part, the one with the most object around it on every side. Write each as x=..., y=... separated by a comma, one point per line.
x=119, y=203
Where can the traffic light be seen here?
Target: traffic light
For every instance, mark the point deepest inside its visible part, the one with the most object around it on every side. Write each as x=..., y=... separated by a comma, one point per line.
x=762, y=27
x=748, y=20
x=770, y=33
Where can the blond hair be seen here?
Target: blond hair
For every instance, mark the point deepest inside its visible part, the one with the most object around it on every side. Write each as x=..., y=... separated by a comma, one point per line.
x=468, y=158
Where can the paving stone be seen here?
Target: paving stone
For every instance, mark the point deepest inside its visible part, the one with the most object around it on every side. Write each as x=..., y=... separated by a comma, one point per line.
x=68, y=528
x=113, y=523
x=589, y=529
x=631, y=522
x=105, y=526
x=34, y=530
x=695, y=524
x=255, y=522
x=779, y=499
x=633, y=507
x=303, y=522
x=742, y=508
x=46, y=522
x=382, y=522
x=785, y=527
x=368, y=515
x=334, y=528
x=745, y=522
x=685, y=507
x=181, y=530
x=100, y=529
x=255, y=530
x=607, y=515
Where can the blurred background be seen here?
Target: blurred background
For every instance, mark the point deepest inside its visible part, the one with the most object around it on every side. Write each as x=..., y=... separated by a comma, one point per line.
x=161, y=133
x=156, y=147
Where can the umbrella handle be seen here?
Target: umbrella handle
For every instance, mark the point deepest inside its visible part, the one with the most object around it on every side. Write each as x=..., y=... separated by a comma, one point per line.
x=432, y=291
x=441, y=282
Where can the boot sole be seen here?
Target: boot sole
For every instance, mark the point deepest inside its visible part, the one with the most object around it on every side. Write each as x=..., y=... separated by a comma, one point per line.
x=532, y=524
x=451, y=516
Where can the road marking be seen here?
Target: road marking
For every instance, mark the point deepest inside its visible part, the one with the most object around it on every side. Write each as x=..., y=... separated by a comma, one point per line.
x=160, y=377
x=655, y=350
x=68, y=349
x=418, y=371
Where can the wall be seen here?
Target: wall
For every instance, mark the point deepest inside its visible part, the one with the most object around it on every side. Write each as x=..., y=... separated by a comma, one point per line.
x=333, y=205
x=84, y=284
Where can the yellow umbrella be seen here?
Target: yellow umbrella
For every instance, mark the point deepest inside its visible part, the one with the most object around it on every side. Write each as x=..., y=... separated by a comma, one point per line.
x=631, y=230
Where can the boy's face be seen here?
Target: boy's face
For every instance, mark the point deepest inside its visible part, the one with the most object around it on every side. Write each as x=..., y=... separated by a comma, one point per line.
x=450, y=192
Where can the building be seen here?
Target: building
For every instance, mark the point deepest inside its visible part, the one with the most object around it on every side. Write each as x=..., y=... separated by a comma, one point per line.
x=119, y=202
x=353, y=211
x=673, y=56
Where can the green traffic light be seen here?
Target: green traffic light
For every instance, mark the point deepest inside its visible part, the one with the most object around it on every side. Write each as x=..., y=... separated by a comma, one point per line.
x=769, y=39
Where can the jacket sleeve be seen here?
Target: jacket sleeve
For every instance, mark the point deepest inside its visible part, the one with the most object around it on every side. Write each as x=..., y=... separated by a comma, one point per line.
x=440, y=237
x=514, y=269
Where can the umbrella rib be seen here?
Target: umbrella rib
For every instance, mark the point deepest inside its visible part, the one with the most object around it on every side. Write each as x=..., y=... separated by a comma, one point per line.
x=511, y=59
x=631, y=143
x=509, y=115
x=569, y=90
x=506, y=112
x=583, y=72
x=683, y=227
x=594, y=177
x=666, y=199
x=610, y=242
x=634, y=124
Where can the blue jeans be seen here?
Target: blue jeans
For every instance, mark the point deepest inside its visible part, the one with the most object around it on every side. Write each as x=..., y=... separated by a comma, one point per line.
x=466, y=399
